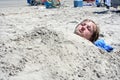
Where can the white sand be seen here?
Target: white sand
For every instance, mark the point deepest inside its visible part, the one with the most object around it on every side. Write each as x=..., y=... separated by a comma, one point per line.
x=12, y=3
x=39, y=44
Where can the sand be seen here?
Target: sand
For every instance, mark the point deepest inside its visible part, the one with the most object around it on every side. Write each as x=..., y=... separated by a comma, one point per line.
x=12, y=3
x=39, y=44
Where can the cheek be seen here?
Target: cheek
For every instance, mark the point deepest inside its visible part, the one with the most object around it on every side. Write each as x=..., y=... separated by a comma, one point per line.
x=87, y=35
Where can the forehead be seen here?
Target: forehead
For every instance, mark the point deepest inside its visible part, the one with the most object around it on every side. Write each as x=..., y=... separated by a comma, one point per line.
x=92, y=24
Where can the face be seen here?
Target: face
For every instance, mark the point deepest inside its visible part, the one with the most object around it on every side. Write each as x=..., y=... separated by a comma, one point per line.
x=85, y=29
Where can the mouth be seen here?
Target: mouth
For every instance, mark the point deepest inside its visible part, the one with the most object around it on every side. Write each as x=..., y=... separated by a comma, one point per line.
x=80, y=31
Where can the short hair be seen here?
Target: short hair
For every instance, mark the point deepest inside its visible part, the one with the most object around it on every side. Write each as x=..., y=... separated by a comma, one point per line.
x=96, y=32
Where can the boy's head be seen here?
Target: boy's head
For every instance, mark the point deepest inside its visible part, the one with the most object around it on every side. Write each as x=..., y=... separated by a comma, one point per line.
x=87, y=29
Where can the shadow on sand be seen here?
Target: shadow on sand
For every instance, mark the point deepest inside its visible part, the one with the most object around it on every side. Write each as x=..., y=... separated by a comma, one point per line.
x=101, y=12
x=107, y=11
x=115, y=11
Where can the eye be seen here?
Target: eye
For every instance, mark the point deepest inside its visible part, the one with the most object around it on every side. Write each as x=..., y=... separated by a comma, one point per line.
x=89, y=28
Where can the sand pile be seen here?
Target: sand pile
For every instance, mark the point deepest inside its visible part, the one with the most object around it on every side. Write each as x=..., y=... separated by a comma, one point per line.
x=39, y=44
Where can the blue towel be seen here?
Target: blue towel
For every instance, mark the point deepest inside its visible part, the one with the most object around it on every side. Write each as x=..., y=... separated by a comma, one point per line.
x=101, y=44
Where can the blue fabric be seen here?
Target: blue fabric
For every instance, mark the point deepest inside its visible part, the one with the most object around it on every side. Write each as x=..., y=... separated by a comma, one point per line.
x=49, y=4
x=31, y=2
x=108, y=2
x=101, y=44
x=97, y=2
x=28, y=1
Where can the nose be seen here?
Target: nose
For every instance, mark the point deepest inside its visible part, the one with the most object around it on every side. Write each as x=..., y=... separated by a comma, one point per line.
x=83, y=28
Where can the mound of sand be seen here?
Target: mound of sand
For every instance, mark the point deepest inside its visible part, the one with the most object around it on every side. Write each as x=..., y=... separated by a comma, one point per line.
x=39, y=44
